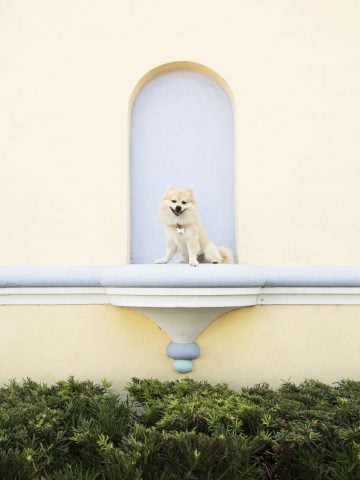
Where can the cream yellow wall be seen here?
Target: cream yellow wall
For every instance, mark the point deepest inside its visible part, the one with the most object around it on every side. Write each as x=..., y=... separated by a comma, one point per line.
x=279, y=343
x=250, y=345
x=69, y=68
x=48, y=343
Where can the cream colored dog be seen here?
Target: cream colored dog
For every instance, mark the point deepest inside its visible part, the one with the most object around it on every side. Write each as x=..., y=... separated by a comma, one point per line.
x=185, y=233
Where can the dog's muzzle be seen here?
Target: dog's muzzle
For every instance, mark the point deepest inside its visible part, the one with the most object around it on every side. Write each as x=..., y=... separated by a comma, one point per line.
x=177, y=211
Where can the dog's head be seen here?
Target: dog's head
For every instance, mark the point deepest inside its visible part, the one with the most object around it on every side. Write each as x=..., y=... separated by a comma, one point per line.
x=177, y=206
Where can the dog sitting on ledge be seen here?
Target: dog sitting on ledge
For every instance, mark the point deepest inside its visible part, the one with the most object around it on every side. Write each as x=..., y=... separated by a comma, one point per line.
x=184, y=231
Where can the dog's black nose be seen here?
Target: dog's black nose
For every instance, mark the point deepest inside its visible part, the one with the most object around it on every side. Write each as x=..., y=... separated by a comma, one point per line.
x=178, y=208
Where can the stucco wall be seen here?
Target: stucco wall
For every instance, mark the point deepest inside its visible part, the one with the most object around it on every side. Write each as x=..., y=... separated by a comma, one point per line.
x=247, y=346
x=68, y=72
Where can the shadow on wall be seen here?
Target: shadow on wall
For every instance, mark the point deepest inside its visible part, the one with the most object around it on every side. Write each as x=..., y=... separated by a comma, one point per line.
x=182, y=133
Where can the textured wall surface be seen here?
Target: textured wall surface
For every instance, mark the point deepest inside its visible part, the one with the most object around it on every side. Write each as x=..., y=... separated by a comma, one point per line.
x=68, y=72
x=247, y=346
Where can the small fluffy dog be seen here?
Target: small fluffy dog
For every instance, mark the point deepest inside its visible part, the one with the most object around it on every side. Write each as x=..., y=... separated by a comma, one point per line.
x=185, y=233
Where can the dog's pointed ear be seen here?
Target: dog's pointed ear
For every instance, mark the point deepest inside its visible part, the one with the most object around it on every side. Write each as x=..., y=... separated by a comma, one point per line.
x=168, y=189
x=190, y=191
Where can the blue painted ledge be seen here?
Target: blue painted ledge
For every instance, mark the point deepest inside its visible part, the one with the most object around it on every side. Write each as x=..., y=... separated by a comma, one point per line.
x=173, y=275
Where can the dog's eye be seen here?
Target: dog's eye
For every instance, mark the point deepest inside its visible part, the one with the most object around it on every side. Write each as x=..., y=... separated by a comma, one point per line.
x=174, y=201
x=184, y=203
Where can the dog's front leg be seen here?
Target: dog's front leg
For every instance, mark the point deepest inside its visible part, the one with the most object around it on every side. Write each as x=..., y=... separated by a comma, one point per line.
x=193, y=250
x=170, y=252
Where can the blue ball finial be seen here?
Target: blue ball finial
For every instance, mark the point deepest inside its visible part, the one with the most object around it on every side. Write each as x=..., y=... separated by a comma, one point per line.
x=183, y=366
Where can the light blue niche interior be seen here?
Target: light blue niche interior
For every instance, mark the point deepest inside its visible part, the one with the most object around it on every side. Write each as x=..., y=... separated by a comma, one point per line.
x=182, y=134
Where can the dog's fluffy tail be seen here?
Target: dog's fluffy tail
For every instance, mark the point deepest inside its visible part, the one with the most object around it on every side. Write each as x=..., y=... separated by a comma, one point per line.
x=226, y=255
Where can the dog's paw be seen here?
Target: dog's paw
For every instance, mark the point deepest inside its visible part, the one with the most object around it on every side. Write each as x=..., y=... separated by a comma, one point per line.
x=160, y=260
x=193, y=262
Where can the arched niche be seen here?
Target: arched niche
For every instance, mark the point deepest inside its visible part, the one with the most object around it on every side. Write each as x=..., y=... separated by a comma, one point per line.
x=182, y=134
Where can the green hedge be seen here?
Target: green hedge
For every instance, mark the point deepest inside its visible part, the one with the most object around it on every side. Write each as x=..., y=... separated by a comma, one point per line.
x=179, y=430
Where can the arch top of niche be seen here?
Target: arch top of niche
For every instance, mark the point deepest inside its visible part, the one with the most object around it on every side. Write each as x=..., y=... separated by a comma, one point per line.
x=180, y=65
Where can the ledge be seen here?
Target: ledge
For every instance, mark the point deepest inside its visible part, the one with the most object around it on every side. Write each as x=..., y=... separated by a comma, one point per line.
x=180, y=299
x=174, y=275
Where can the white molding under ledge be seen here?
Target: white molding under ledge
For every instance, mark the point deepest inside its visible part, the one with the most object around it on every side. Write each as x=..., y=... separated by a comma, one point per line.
x=180, y=299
